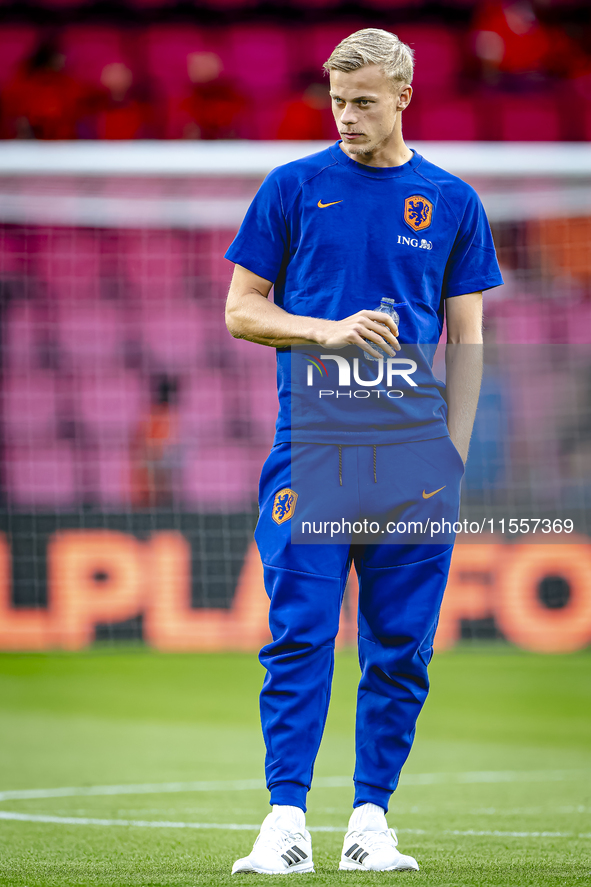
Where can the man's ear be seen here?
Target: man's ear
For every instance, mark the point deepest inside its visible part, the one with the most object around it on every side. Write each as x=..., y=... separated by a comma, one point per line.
x=404, y=97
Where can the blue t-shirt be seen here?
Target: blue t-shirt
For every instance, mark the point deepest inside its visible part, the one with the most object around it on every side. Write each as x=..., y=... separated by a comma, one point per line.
x=335, y=236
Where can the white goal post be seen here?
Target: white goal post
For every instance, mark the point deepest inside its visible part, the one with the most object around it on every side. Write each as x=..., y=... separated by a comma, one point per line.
x=74, y=180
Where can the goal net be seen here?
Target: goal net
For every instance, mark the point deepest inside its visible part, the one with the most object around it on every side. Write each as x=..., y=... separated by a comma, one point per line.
x=134, y=427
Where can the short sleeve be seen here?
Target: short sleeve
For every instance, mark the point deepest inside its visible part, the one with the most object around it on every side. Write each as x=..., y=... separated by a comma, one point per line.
x=472, y=265
x=261, y=244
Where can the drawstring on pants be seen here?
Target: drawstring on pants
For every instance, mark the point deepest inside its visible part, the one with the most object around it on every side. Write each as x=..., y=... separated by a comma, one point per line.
x=375, y=471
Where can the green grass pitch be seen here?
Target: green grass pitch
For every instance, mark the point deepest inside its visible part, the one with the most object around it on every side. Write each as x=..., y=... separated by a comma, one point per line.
x=497, y=790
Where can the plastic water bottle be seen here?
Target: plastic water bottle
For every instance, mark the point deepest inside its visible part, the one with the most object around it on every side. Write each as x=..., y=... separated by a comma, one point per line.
x=386, y=306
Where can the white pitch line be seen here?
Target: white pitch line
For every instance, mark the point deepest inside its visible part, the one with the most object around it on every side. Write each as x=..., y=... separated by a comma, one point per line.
x=465, y=778
x=138, y=823
x=139, y=789
x=496, y=833
x=233, y=826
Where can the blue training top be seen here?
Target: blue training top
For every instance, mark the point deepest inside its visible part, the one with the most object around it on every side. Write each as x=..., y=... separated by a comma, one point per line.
x=335, y=236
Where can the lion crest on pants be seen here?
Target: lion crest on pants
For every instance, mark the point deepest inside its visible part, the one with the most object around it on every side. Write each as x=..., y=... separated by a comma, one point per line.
x=284, y=505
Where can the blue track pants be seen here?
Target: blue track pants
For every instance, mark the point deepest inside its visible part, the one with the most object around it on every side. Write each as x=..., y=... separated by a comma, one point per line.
x=400, y=592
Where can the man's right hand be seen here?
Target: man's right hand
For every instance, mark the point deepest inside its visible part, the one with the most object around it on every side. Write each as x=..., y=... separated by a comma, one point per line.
x=359, y=329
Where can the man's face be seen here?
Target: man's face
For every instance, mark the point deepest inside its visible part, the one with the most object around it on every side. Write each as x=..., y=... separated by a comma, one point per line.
x=365, y=104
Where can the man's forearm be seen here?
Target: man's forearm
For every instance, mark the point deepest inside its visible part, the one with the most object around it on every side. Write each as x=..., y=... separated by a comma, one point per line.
x=249, y=315
x=253, y=317
x=464, y=376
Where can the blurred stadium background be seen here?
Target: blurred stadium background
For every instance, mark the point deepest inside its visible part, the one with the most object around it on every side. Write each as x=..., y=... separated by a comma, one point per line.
x=134, y=427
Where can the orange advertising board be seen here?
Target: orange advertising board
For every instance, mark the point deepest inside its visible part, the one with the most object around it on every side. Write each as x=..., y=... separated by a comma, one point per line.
x=107, y=576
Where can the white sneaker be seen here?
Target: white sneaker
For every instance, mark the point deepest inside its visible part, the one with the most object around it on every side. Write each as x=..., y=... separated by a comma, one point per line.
x=371, y=846
x=283, y=846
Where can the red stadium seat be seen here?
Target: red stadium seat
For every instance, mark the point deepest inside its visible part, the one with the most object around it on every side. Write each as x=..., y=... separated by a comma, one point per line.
x=211, y=248
x=155, y=265
x=88, y=48
x=13, y=256
x=317, y=42
x=265, y=122
x=533, y=412
x=108, y=477
x=68, y=264
x=218, y=478
x=150, y=4
x=523, y=323
x=438, y=58
x=174, y=336
x=452, y=119
x=202, y=408
x=44, y=477
x=529, y=119
x=110, y=407
x=392, y=4
x=578, y=324
x=231, y=4
x=90, y=337
x=316, y=4
x=63, y=4
x=26, y=331
x=16, y=44
x=166, y=48
x=256, y=57
x=29, y=408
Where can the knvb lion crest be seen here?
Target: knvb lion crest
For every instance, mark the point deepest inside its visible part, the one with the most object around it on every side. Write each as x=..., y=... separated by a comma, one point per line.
x=284, y=505
x=418, y=212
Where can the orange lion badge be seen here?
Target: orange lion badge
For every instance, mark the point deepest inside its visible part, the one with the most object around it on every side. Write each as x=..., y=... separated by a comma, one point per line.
x=418, y=212
x=284, y=505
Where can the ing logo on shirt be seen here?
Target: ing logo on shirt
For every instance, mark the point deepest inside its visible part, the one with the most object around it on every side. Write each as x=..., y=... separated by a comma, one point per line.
x=418, y=212
x=284, y=505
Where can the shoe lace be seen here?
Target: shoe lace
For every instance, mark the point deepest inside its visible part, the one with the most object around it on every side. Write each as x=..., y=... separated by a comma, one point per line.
x=278, y=838
x=373, y=840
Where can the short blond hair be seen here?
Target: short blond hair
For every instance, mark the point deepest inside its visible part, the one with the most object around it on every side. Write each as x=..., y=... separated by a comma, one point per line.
x=372, y=46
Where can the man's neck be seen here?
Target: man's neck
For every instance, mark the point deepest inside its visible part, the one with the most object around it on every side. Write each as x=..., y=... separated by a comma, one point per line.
x=391, y=153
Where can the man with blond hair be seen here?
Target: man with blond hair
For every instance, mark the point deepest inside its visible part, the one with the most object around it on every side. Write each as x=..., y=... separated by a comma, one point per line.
x=334, y=233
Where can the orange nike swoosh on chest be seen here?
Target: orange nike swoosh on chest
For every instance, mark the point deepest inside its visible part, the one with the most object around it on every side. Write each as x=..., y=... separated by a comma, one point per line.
x=428, y=495
x=322, y=205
